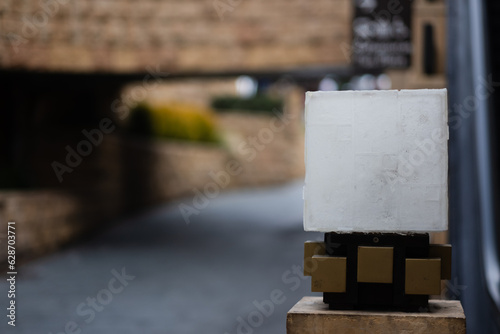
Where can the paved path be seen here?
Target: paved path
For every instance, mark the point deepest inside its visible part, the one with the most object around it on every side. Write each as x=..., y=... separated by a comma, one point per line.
x=215, y=275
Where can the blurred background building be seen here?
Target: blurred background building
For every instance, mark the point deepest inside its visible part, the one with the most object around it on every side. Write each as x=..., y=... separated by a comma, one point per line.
x=68, y=65
x=113, y=107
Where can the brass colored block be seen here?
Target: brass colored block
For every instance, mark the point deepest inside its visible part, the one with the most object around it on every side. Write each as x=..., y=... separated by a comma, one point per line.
x=329, y=274
x=375, y=264
x=312, y=248
x=423, y=276
x=444, y=253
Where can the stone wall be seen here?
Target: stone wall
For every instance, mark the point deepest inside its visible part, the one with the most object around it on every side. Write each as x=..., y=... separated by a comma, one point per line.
x=264, y=150
x=125, y=174
x=159, y=171
x=45, y=220
x=179, y=36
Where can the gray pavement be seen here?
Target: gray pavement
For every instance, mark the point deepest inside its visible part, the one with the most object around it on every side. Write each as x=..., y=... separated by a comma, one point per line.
x=231, y=270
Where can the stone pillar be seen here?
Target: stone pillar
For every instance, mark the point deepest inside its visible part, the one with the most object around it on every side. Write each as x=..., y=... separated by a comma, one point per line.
x=310, y=315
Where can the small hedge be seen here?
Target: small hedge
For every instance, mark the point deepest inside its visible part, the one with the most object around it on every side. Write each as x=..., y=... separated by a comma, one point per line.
x=173, y=121
x=259, y=103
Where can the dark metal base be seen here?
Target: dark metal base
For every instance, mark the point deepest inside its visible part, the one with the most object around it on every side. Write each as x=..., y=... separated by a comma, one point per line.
x=376, y=295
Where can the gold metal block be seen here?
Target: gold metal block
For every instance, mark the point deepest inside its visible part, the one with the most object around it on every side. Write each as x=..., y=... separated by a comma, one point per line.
x=423, y=276
x=444, y=253
x=329, y=274
x=375, y=264
x=312, y=248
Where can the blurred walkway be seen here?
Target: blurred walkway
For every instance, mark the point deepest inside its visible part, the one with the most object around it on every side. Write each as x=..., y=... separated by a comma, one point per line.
x=157, y=274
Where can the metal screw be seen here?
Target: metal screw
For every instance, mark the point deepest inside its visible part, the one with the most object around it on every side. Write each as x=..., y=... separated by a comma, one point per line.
x=375, y=239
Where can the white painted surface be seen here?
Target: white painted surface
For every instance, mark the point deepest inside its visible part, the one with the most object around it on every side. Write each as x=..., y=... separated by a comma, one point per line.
x=376, y=161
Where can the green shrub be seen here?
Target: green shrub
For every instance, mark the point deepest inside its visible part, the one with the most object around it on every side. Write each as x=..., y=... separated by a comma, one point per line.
x=173, y=121
x=259, y=103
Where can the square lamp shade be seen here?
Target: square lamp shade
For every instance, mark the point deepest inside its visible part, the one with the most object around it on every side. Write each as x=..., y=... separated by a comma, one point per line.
x=376, y=161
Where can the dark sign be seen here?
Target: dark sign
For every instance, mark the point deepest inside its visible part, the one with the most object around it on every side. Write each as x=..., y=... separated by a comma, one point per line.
x=381, y=34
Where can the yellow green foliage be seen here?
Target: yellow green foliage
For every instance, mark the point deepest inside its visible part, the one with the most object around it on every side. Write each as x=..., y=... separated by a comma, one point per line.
x=175, y=121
